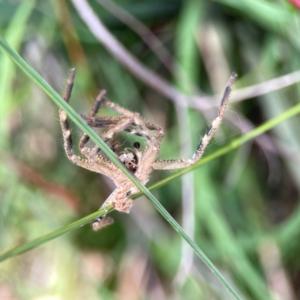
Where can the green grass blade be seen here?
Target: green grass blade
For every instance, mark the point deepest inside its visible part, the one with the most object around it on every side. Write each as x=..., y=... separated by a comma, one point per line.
x=85, y=128
x=54, y=234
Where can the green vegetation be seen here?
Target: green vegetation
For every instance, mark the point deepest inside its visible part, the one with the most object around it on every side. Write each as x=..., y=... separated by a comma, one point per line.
x=240, y=207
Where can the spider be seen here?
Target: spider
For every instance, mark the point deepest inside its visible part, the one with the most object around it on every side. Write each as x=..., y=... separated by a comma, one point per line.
x=140, y=162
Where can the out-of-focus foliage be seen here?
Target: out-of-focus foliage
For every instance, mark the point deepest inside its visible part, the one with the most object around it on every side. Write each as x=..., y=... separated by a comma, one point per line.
x=244, y=208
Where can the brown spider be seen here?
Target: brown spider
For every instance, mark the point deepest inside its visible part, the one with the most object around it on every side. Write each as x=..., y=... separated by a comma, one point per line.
x=140, y=162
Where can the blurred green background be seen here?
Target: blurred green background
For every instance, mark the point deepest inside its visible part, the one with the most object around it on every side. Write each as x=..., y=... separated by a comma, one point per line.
x=242, y=209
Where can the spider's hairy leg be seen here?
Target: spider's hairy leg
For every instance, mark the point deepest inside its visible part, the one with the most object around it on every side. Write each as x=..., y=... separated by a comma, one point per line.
x=126, y=122
x=102, y=165
x=68, y=144
x=150, y=153
x=94, y=110
x=217, y=121
x=184, y=163
x=133, y=119
x=144, y=130
x=129, y=121
x=64, y=123
x=120, y=110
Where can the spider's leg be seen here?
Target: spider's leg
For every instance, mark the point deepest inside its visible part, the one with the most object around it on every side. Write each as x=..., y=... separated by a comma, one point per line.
x=102, y=122
x=68, y=144
x=94, y=110
x=105, y=122
x=139, y=131
x=159, y=131
x=114, y=125
x=97, y=104
x=103, y=165
x=133, y=119
x=150, y=152
x=183, y=163
x=120, y=110
x=139, y=127
x=122, y=125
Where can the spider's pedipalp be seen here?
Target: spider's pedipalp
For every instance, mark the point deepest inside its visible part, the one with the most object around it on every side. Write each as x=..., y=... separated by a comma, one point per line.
x=102, y=222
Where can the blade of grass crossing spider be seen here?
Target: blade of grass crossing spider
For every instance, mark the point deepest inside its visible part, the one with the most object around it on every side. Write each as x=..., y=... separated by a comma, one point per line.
x=83, y=126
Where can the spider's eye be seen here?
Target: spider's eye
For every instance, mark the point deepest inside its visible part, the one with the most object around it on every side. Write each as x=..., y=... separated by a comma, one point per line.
x=136, y=145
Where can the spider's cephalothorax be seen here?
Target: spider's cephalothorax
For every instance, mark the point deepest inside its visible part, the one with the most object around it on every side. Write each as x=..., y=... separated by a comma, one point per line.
x=140, y=162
